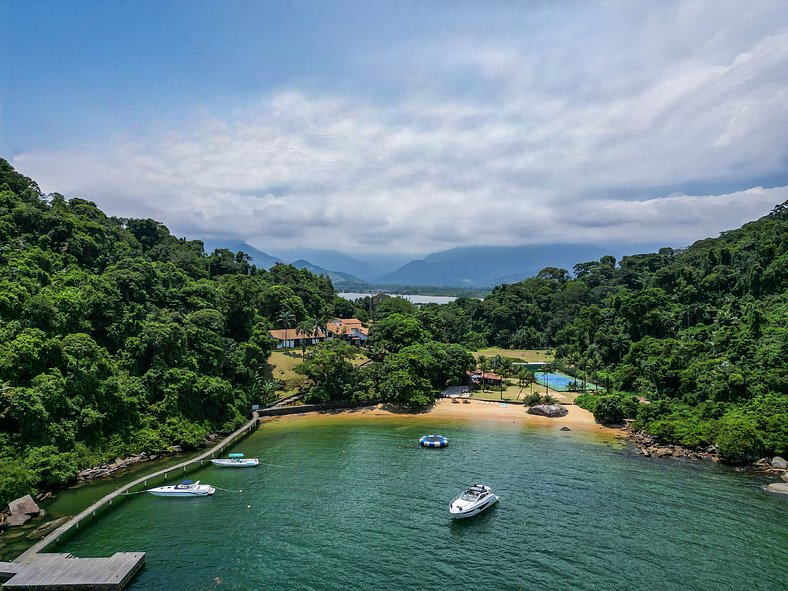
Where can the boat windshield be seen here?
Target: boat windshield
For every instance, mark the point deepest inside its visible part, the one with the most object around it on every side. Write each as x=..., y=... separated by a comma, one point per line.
x=470, y=495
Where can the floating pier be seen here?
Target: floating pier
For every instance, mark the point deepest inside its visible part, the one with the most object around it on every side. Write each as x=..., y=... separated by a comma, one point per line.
x=64, y=572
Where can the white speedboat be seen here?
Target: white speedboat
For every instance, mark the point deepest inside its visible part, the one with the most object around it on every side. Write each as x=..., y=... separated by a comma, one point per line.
x=187, y=488
x=472, y=502
x=236, y=461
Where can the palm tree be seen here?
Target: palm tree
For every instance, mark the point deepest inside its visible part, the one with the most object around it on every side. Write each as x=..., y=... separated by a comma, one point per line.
x=483, y=364
x=305, y=328
x=594, y=363
x=286, y=318
x=268, y=392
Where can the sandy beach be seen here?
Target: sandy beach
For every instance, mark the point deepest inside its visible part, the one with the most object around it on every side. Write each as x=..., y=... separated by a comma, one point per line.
x=578, y=419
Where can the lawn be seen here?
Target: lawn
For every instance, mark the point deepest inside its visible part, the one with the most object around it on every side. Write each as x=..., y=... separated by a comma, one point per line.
x=283, y=364
x=511, y=392
x=532, y=355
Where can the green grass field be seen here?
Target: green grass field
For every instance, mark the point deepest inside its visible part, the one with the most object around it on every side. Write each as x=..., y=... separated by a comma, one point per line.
x=532, y=355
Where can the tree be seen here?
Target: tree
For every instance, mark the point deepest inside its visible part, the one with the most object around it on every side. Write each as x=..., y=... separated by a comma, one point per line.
x=286, y=318
x=305, y=328
x=330, y=369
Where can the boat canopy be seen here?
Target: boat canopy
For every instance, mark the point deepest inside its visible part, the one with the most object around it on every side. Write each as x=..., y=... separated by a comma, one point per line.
x=235, y=455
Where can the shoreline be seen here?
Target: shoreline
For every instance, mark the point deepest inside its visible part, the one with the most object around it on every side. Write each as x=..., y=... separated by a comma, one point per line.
x=577, y=419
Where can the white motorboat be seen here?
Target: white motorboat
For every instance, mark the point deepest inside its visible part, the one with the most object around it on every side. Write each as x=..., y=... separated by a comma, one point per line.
x=472, y=502
x=187, y=488
x=236, y=461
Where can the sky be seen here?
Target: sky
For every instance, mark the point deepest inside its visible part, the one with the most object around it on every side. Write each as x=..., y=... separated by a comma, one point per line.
x=396, y=126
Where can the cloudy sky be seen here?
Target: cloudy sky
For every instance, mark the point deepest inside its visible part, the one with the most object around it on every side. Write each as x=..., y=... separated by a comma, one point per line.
x=404, y=126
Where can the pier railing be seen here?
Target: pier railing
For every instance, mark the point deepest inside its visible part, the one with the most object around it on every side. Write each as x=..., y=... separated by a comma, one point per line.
x=72, y=526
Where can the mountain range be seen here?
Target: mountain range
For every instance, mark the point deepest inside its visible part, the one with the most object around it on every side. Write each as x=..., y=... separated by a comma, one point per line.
x=470, y=266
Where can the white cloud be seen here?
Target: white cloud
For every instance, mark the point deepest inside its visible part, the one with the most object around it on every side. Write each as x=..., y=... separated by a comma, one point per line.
x=555, y=140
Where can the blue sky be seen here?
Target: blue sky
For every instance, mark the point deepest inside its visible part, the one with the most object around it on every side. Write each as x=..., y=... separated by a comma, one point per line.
x=403, y=126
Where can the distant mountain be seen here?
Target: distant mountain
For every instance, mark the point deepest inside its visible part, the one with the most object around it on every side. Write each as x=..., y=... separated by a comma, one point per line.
x=336, y=261
x=259, y=258
x=475, y=266
x=336, y=277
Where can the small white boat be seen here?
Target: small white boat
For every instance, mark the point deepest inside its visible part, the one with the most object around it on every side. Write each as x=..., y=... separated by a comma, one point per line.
x=236, y=461
x=472, y=502
x=187, y=488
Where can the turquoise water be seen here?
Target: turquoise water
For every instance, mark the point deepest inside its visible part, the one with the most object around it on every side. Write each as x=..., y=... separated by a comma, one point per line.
x=561, y=382
x=356, y=503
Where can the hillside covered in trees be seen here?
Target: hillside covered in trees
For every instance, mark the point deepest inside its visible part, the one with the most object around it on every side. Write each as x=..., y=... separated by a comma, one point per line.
x=701, y=334
x=116, y=337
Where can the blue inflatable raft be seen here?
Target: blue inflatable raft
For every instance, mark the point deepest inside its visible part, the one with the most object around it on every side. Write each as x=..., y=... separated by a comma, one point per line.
x=434, y=441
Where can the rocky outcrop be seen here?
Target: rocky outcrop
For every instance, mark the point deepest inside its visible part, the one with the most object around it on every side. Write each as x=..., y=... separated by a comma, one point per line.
x=778, y=487
x=650, y=447
x=110, y=468
x=44, y=529
x=565, y=428
x=23, y=506
x=780, y=463
x=548, y=410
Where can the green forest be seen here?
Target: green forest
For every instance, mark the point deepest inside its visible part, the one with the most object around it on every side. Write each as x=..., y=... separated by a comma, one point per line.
x=117, y=337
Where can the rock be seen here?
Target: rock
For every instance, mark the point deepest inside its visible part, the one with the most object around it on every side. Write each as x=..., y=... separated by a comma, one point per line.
x=663, y=452
x=778, y=487
x=17, y=520
x=23, y=506
x=778, y=462
x=548, y=410
x=784, y=477
x=176, y=449
x=565, y=428
x=44, y=529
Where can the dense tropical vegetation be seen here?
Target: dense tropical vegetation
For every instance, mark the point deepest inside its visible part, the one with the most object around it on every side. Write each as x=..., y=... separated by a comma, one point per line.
x=700, y=334
x=117, y=337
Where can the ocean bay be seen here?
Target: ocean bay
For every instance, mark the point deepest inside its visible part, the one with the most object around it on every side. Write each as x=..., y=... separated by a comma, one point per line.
x=354, y=502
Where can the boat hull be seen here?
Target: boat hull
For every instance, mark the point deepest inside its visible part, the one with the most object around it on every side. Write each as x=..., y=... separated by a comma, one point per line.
x=227, y=463
x=470, y=512
x=166, y=491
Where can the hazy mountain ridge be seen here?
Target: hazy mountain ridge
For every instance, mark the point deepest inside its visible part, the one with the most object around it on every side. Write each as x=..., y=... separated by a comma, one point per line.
x=490, y=265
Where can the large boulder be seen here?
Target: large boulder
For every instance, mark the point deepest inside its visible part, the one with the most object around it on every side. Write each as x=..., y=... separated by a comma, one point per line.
x=548, y=410
x=778, y=487
x=23, y=506
x=778, y=462
x=17, y=520
x=43, y=530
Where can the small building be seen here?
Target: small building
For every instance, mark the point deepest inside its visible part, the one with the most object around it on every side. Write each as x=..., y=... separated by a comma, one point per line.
x=292, y=338
x=349, y=329
x=489, y=377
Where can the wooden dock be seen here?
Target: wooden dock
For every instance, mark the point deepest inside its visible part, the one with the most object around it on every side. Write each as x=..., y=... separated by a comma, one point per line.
x=47, y=572
x=39, y=571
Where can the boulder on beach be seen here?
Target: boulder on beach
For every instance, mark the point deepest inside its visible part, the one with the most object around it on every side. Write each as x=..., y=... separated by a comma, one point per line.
x=778, y=462
x=565, y=428
x=23, y=506
x=778, y=487
x=548, y=410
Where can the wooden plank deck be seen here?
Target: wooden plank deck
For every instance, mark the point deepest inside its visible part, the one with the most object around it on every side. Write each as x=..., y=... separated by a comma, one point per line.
x=66, y=573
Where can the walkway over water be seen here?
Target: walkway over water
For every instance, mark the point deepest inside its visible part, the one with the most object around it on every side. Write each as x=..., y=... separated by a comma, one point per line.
x=65, y=572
